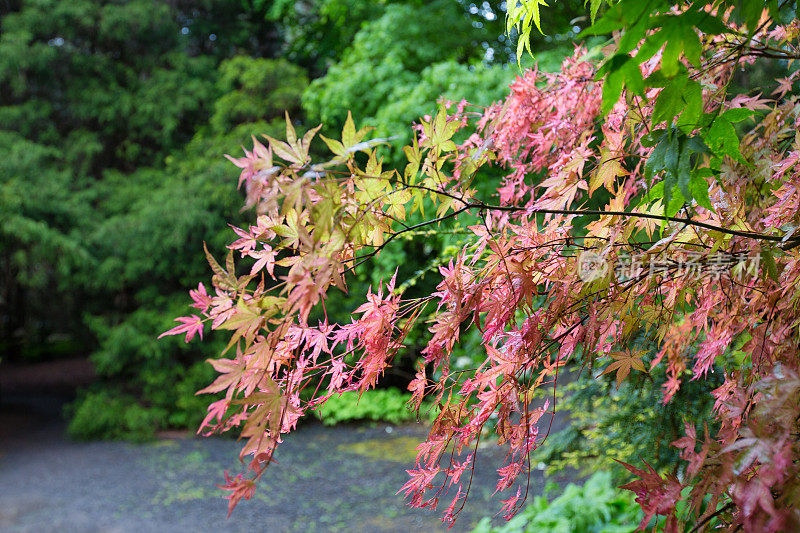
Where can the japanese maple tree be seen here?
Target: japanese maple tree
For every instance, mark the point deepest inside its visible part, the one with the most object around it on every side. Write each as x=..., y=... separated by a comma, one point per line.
x=637, y=149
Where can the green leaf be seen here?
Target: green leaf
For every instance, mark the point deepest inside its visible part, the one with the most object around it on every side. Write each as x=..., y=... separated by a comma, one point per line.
x=523, y=15
x=710, y=24
x=670, y=100
x=684, y=172
x=334, y=146
x=622, y=71
x=213, y=262
x=738, y=114
x=769, y=262
x=721, y=136
x=625, y=14
x=533, y=7
x=349, y=135
x=673, y=201
x=698, y=187
x=594, y=8
x=612, y=20
x=679, y=37
x=681, y=96
x=653, y=138
x=648, y=49
x=633, y=35
x=673, y=155
x=656, y=192
x=749, y=12
x=657, y=160
x=692, y=106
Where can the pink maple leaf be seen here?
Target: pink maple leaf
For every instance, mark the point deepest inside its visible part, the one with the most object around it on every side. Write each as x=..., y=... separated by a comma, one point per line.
x=656, y=495
x=202, y=300
x=240, y=489
x=509, y=508
x=189, y=325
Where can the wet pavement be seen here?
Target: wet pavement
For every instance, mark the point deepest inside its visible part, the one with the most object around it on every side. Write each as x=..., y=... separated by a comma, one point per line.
x=327, y=479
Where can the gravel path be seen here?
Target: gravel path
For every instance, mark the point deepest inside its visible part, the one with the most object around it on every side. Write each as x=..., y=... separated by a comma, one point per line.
x=326, y=479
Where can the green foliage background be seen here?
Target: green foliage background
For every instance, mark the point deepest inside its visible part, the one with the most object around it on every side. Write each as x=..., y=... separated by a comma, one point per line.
x=114, y=117
x=595, y=506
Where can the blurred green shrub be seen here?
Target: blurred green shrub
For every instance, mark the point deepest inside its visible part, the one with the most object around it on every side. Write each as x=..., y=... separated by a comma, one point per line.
x=256, y=89
x=630, y=424
x=596, y=506
x=162, y=217
x=382, y=58
x=381, y=405
x=102, y=414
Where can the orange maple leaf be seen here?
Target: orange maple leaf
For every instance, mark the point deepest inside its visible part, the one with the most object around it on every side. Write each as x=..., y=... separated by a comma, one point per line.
x=624, y=362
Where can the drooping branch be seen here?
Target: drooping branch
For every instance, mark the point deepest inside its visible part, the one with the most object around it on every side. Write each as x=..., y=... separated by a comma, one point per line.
x=482, y=206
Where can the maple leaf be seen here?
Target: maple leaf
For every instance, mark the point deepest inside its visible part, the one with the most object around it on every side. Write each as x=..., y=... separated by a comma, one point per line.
x=258, y=160
x=246, y=243
x=609, y=170
x=624, y=362
x=656, y=495
x=216, y=410
x=189, y=325
x=351, y=140
x=421, y=479
x=240, y=489
x=513, y=280
x=293, y=150
x=231, y=372
x=265, y=259
x=509, y=507
x=417, y=386
x=200, y=297
x=784, y=86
